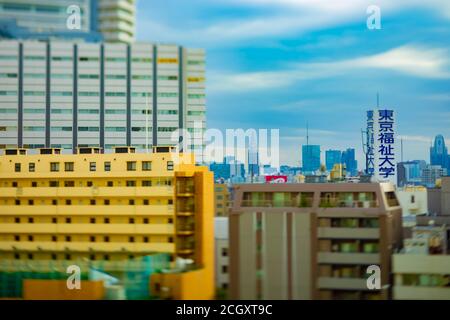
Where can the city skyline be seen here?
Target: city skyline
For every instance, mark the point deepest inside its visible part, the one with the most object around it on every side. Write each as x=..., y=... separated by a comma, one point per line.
x=280, y=64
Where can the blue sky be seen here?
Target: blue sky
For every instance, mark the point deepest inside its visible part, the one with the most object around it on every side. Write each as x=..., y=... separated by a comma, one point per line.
x=282, y=63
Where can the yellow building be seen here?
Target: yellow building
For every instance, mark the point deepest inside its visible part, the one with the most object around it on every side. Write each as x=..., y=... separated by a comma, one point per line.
x=222, y=199
x=108, y=207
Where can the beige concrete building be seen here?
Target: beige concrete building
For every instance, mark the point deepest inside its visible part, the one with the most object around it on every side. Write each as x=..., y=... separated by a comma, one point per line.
x=312, y=241
x=222, y=199
x=413, y=200
x=422, y=270
x=221, y=253
x=439, y=198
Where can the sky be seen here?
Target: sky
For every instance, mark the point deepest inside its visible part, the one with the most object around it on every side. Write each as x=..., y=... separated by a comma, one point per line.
x=284, y=63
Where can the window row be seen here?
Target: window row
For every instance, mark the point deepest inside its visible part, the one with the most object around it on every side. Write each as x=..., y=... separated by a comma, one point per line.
x=54, y=238
x=92, y=220
x=93, y=202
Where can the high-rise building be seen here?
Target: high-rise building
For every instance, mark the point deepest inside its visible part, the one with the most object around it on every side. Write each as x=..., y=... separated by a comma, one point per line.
x=310, y=158
x=110, y=20
x=116, y=20
x=351, y=165
x=410, y=172
x=431, y=173
x=312, y=241
x=439, y=153
x=69, y=95
x=110, y=207
x=332, y=157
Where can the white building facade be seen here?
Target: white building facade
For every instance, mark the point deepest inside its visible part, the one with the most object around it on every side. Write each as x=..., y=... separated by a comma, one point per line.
x=68, y=95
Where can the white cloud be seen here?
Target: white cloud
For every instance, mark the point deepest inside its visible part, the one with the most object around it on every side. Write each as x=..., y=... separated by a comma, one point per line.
x=411, y=60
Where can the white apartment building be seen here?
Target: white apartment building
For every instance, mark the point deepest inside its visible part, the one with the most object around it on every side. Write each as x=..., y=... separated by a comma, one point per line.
x=221, y=252
x=116, y=20
x=68, y=94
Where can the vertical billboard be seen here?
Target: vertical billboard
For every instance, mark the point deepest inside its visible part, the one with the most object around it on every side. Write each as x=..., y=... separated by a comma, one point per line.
x=381, y=150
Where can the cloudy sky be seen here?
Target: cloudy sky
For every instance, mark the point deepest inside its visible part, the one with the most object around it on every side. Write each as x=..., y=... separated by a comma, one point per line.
x=282, y=63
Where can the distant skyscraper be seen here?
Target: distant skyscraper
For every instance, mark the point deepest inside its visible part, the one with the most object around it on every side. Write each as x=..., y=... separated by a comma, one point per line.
x=351, y=165
x=439, y=153
x=332, y=157
x=310, y=158
x=410, y=172
x=431, y=173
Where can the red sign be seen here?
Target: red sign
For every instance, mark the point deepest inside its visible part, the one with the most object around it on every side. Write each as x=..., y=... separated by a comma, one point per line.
x=276, y=179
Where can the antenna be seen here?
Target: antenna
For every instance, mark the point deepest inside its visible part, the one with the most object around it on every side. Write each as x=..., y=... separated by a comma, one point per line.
x=307, y=134
x=401, y=143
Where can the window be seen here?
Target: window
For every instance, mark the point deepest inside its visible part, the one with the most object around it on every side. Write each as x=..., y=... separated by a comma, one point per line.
x=54, y=166
x=106, y=202
x=92, y=238
x=92, y=202
x=68, y=166
x=54, y=239
x=68, y=220
x=54, y=220
x=146, y=202
x=106, y=238
x=14, y=184
x=145, y=239
x=68, y=238
x=106, y=220
x=69, y=183
x=170, y=201
x=391, y=199
x=170, y=220
x=16, y=238
x=131, y=239
x=131, y=183
x=92, y=166
x=110, y=184
x=131, y=165
x=146, y=165
x=107, y=166
x=413, y=199
x=17, y=220
x=16, y=256
x=92, y=220
x=146, y=183
x=54, y=184
x=224, y=252
x=131, y=202
x=145, y=220
x=68, y=202
x=89, y=184
x=54, y=202
x=30, y=220
x=30, y=238
x=92, y=257
x=106, y=257
x=68, y=256
x=30, y=202
x=30, y=256
x=170, y=239
x=131, y=220
x=31, y=167
x=17, y=202
x=224, y=269
x=170, y=165
x=34, y=184
x=17, y=167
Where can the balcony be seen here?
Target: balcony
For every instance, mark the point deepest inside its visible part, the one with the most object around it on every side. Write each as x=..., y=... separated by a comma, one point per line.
x=348, y=258
x=72, y=192
x=338, y=203
x=78, y=228
x=47, y=246
x=348, y=233
x=88, y=210
x=332, y=283
x=305, y=203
